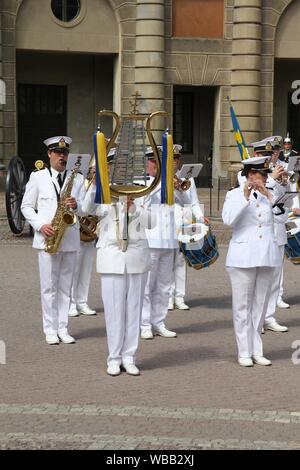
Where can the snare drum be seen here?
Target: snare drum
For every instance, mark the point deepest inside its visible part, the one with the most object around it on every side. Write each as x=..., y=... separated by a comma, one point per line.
x=198, y=245
x=292, y=248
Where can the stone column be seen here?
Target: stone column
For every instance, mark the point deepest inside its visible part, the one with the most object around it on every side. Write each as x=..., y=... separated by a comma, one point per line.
x=1, y=99
x=150, y=56
x=246, y=65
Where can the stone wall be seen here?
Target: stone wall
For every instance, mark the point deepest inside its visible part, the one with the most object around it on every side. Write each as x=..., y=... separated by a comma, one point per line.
x=151, y=61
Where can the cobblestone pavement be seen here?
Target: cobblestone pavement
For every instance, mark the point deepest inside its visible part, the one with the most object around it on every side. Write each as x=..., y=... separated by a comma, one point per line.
x=191, y=393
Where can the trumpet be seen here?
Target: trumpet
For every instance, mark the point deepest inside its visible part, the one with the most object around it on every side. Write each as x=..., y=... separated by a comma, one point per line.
x=294, y=177
x=181, y=185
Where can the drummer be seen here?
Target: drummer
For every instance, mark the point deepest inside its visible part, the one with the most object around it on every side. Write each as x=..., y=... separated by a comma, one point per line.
x=252, y=257
x=178, y=287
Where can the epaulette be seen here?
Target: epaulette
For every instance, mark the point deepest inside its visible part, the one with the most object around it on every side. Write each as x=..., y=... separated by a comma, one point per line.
x=40, y=165
x=37, y=170
x=234, y=187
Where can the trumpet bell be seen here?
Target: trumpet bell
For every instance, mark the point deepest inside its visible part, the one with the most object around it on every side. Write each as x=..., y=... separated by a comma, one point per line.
x=294, y=178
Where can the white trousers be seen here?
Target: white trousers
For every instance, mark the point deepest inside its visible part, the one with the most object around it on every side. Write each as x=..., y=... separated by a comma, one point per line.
x=56, y=275
x=250, y=294
x=179, y=277
x=280, y=294
x=275, y=290
x=82, y=273
x=157, y=292
x=122, y=296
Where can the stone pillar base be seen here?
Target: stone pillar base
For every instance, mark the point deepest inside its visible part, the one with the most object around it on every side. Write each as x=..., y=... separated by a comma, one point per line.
x=233, y=170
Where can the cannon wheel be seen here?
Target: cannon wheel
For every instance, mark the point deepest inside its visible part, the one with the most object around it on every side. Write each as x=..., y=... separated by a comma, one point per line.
x=16, y=180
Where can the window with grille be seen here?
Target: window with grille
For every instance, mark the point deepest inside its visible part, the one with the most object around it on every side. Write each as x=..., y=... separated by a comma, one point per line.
x=65, y=10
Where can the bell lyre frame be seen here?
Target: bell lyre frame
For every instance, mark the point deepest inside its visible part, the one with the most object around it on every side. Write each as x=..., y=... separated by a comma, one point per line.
x=130, y=162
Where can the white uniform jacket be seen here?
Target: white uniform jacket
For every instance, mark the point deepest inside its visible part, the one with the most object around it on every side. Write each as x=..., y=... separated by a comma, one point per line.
x=193, y=208
x=40, y=203
x=253, y=241
x=279, y=220
x=168, y=219
x=110, y=257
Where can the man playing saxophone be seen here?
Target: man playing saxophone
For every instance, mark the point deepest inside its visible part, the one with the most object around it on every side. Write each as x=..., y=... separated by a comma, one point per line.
x=40, y=206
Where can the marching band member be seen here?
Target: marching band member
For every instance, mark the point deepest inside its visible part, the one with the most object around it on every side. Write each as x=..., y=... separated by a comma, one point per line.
x=178, y=286
x=84, y=266
x=162, y=242
x=252, y=257
x=278, y=174
x=39, y=205
x=123, y=274
x=276, y=292
x=287, y=151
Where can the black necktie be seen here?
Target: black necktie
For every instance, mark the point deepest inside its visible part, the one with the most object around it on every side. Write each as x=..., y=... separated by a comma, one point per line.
x=60, y=181
x=255, y=195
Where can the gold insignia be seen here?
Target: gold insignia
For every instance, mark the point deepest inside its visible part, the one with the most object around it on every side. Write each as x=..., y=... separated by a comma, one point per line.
x=39, y=164
x=62, y=143
x=266, y=164
x=176, y=150
x=268, y=146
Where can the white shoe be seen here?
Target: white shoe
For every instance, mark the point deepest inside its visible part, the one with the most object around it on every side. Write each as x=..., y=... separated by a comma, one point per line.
x=263, y=331
x=73, y=312
x=282, y=304
x=146, y=334
x=171, y=305
x=245, y=361
x=276, y=327
x=181, y=306
x=86, y=310
x=262, y=361
x=163, y=331
x=52, y=339
x=131, y=369
x=66, y=338
x=113, y=369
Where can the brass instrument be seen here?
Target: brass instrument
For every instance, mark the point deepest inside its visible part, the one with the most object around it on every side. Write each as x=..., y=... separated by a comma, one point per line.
x=181, y=185
x=63, y=217
x=128, y=175
x=88, y=224
x=88, y=228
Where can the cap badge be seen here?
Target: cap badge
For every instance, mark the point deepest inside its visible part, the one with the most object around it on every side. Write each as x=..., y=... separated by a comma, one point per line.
x=268, y=146
x=62, y=143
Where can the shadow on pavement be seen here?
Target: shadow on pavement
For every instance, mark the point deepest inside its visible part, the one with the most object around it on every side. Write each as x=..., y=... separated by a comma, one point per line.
x=205, y=327
x=177, y=358
x=223, y=302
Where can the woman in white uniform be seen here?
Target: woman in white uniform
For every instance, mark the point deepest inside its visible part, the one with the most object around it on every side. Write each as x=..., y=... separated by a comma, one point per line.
x=252, y=257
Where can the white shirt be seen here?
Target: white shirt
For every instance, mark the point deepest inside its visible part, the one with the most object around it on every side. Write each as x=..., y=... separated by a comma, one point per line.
x=253, y=241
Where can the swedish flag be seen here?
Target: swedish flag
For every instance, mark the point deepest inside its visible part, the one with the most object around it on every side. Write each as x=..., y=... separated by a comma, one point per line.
x=238, y=135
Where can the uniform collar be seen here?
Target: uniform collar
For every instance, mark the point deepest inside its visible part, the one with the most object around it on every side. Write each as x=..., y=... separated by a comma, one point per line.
x=55, y=173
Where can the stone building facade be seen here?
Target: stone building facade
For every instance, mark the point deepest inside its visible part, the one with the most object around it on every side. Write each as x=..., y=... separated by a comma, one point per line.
x=183, y=56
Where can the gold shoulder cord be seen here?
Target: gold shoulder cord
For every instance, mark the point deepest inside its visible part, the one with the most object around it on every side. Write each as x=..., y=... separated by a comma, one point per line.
x=39, y=165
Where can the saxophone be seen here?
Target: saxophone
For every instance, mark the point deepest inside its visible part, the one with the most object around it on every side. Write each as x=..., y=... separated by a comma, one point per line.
x=63, y=217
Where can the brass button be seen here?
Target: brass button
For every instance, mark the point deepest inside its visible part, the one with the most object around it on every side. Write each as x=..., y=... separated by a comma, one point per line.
x=260, y=226
x=258, y=215
x=257, y=205
x=260, y=236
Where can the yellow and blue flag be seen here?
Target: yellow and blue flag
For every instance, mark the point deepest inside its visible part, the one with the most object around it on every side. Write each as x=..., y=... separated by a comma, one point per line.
x=238, y=135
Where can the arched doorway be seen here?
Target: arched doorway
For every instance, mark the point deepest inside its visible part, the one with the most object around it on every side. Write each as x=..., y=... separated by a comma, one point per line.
x=65, y=72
